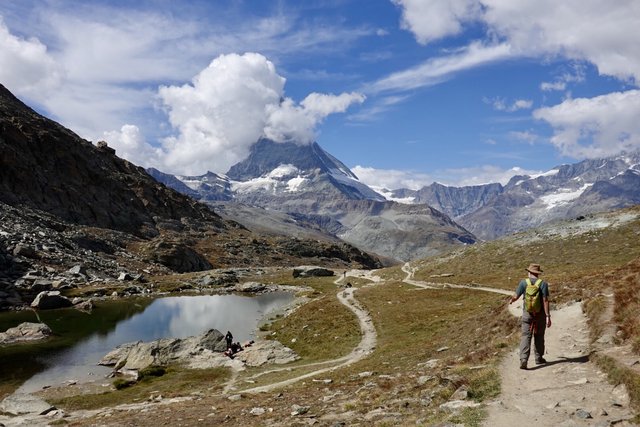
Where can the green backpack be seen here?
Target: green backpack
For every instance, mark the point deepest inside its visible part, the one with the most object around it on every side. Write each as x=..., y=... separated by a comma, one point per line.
x=532, y=300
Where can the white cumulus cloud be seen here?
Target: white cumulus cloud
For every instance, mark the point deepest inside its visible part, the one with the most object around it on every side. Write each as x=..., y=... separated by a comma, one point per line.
x=130, y=144
x=433, y=19
x=595, y=127
x=222, y=112
x=603, y=33
x=26, y=65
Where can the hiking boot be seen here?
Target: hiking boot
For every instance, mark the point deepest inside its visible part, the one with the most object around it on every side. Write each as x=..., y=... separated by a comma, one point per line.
x=523, y=364
x=541, y=361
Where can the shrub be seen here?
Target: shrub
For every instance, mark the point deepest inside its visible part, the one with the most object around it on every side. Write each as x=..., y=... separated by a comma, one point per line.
x=121, y=383
x=152, y=371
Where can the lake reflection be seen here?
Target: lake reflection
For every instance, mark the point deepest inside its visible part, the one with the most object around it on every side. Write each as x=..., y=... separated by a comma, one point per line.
x=176, y=317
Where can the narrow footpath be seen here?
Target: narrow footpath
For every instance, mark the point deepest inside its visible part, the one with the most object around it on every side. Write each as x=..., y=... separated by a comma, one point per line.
x=366, y=346
x=568, y=390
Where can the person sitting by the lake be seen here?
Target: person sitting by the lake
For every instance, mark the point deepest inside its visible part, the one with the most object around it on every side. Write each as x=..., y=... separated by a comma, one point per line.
x=229, y=339
x=233, y=349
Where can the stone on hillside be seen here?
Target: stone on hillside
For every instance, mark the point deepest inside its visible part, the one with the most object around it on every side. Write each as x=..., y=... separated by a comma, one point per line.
x=461, y=393
x=42, y=285
x=250, y=287
x=454, y=406
x=78, y=269
x=311, y=271
x=48, y=300
x=25, y=251
x=21, y=404
x=178, y=257
x=125, y=277
x=25, y=332
x=224, y=278
x=257, y=411
x=582, y=414
x=299, y=410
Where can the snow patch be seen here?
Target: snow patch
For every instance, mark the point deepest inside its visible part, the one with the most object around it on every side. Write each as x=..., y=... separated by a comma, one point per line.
x=388, y=194
x=272, y=181
x=295, y=184
x=282, y=171
x=193, y=184
x=562, y=196
x=547, y=173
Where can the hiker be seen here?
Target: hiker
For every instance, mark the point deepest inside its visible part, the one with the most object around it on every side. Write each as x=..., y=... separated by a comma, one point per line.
x=229, y=339
x=536, y=316
x=236, y=347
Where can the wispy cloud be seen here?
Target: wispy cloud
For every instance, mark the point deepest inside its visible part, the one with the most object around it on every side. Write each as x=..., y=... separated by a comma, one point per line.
x=437, y=70
x=375, y=108
x=501, y=104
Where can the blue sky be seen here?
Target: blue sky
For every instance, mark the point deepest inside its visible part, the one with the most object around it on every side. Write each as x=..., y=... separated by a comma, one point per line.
x=405, y=92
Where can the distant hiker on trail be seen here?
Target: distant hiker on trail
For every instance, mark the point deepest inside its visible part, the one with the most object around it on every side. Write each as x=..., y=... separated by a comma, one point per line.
x=229, y=339
x=536, y=316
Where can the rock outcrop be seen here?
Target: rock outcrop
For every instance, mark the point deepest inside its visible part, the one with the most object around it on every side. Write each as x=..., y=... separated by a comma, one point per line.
x=311, y=271
x=49, y=300
x=27, y=331
x=200, y=351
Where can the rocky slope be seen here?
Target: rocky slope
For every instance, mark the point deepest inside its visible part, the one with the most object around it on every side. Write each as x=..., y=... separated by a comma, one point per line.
x=74, y=213
x=49, y=168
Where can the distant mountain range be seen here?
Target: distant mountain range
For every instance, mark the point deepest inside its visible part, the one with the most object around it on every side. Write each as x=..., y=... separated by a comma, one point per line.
x=564, y=192
x=313, y=190
x=310, y=189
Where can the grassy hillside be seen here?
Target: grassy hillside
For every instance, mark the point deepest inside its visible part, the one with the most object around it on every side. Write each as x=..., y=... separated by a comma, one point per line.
x=432, y=344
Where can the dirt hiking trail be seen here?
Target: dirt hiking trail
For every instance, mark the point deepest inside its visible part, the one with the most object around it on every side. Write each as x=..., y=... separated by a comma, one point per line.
x=566, y=391
x=366, y=346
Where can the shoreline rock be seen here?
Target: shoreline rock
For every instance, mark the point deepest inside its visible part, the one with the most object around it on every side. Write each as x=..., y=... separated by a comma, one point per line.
x=25, y=332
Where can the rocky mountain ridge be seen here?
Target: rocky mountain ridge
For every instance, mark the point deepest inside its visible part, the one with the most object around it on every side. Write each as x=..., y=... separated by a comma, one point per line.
x=308, y=188
x=564, y=192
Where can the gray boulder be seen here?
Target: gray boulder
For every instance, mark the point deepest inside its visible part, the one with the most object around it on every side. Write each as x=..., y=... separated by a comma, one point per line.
x=250, y=287
x=78, y=269
x=266, y=352
x=21, y=404
x=166, y=351
x=178, y=257
x=48, y=300
x=25, y=251
x=311, y=271
x=86, y=306
x=202, y=351
x=25, y=332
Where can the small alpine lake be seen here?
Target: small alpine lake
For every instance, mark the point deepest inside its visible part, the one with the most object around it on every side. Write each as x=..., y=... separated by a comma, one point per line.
x=81, y=340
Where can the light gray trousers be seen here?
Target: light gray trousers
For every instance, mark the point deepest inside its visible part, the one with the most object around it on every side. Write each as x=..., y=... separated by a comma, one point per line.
x=527, y=332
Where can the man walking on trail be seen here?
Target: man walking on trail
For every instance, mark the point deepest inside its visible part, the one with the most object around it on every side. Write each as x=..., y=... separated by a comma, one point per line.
x=536, y=316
